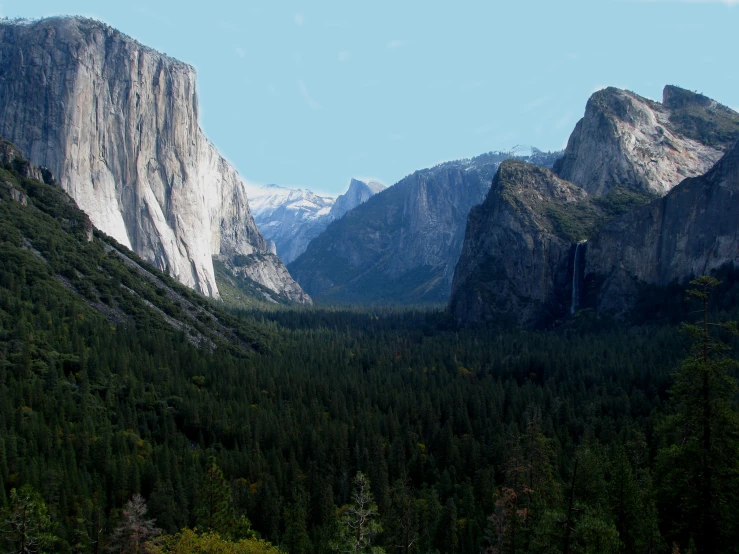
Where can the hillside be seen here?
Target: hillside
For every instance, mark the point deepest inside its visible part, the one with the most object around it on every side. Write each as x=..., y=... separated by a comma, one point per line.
x=53, y=257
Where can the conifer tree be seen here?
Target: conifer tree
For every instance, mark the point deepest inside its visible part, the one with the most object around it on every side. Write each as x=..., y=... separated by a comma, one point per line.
x=359, y=524
x=698, y=468
x=214, y=511
x=25, y=527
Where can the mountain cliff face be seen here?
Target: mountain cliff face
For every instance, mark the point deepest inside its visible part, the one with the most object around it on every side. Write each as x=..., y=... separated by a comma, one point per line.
x=692, y=231
x=625, y=139
x=400, y=246
x=514, y=257
x=524, y=257
x=357, y=193
x=117, y=124
x=291, y=218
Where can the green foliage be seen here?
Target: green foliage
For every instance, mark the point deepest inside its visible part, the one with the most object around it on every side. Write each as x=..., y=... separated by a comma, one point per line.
x=190, y=542
x=25, y=526
x=578, y=221
x=359, y=524
x=214, y=507
x=698, y=467
x=700, y=118
x=274, y=410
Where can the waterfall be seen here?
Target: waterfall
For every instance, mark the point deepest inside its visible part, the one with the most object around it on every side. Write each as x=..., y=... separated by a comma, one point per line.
x=576, y=277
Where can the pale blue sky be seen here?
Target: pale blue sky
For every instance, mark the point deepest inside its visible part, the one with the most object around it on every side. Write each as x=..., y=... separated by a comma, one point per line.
x=313, y=93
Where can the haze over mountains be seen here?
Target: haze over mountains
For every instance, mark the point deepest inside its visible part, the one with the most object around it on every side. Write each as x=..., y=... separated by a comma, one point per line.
x=401, y=246
x=117, y=124
x=291, y=218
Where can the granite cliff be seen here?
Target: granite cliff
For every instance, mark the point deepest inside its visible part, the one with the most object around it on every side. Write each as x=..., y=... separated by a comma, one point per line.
x=401, y=245
x=515, y=255
x=117, y=124
x=625, y=139
x=524, y=257
x=692, y=231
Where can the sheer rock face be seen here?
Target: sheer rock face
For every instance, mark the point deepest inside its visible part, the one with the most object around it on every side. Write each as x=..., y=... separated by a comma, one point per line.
x=117, y=124
x=401, y=245
x=625, y=139
x=692, y=231
x=518, y=257
x=514, y=266
x=357, y=193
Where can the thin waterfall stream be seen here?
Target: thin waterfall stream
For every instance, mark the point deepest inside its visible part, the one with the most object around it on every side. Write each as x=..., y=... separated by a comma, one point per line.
x=576, y=276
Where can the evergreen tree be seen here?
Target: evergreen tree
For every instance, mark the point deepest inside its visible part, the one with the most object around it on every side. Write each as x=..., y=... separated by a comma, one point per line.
x=359, y=524
x=699, y=466
x=295, y=539
x=214, y=510
x=25, y=527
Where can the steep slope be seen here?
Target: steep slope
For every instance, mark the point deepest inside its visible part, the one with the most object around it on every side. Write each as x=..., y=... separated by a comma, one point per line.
x=357, y=193
x=291, y=218
x=50, y=250
x=401, y=246
x=117, y=123
x=692, y=231
x=522, y=261
x=515, y=256
x=625, y=139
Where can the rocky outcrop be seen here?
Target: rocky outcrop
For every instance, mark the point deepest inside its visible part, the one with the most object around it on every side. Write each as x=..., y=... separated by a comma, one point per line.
x=516, y=261
x=117, y=124
x=521, y=261
x=692, y=231
x=625, y=139
x=401, y=245
x=357, y=193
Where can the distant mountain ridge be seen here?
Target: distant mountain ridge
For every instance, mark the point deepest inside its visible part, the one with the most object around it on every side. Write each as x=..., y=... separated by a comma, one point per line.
x=291, y=218
x=401, y=245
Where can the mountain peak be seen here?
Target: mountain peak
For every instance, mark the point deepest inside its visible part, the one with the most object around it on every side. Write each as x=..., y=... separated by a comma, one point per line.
x=626, y=139
x=675, y=98
x=357, y=193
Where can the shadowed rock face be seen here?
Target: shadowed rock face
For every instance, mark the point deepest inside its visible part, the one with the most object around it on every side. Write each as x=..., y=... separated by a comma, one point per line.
x=402, y=244
x=117, y=124
x=625, y=139
x=513, y=263
x=517, y=260
x=692, y=231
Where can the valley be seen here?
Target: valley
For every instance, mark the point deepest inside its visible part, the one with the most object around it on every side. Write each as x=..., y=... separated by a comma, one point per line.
x=520, y=351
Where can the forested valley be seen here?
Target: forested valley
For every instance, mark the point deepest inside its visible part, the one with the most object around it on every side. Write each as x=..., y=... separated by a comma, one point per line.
x=319, y=430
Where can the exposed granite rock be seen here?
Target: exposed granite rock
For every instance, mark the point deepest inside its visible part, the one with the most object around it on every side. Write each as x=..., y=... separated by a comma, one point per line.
x=625, y=139
x=268, y=270
x=357, y=193
x=401, y=245
x=692, y=231
x=515, y=265
x=117, y=123
x=518, y=258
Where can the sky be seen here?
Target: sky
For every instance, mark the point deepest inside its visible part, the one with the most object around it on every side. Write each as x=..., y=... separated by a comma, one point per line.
x=311, y=94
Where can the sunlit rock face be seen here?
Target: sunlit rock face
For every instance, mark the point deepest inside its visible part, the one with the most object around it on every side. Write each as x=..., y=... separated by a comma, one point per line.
x=625, y=139
x=117, y=124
